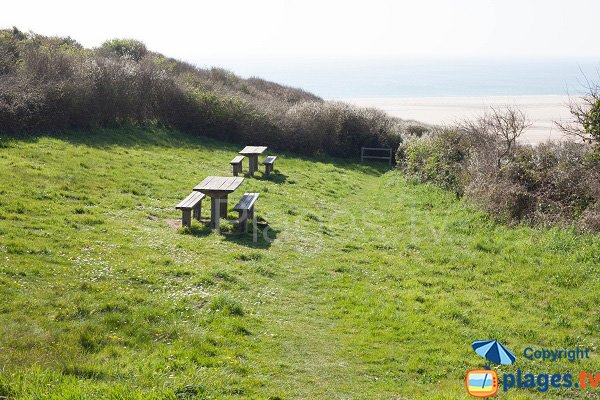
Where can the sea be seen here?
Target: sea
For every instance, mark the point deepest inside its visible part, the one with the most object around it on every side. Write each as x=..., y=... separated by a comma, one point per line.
x=438, y=90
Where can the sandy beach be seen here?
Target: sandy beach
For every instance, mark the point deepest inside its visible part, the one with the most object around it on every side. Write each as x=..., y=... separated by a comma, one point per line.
x=541, y=110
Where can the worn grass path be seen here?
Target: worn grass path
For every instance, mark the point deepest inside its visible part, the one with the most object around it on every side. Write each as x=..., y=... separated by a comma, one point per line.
x=368, y=286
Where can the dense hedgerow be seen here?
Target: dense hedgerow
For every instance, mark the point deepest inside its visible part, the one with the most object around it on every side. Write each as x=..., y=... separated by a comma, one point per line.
x=49, y=84
x=436, y=158
x=552, y=183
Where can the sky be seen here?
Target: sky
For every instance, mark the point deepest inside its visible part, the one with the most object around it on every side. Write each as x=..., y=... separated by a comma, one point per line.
x=350, y=48
x=207, y=32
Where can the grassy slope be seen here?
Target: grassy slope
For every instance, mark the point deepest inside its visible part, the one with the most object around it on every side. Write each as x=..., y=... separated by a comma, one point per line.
x=374, y=287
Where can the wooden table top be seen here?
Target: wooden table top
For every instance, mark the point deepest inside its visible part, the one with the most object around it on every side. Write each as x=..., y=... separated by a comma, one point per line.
x=253, y=150
x=219, y=184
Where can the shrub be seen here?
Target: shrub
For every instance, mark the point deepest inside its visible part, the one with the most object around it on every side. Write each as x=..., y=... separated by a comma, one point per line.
x=9, y=51
x=506, y=200
x=590, y=220
x=591, y=124
x=126, y=48
x=552, y=183
x=585, y=115
x=416, y=130
x=438, y=157
x=51, y=83
x=338, y=129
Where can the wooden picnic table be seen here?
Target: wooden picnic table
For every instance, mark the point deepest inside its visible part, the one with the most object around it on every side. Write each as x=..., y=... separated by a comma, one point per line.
x=218, y=188
x=252, y=152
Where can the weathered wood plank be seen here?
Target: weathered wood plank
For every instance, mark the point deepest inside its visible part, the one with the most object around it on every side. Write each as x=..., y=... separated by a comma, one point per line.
x=245, y=207
x=237, y=160
x=270, y=160
x=219, y=184
x=253, y=150
x=246, y=202
x=190, y=201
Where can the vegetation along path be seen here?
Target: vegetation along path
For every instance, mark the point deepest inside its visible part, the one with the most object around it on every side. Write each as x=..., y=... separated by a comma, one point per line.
x=369, y=286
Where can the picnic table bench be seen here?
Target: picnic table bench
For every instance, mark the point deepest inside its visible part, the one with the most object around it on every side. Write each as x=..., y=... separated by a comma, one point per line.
x=193, y=202
x=236, y=163
x=252, y=152
x=268, y=163
x=245, y=208
x=218, y=188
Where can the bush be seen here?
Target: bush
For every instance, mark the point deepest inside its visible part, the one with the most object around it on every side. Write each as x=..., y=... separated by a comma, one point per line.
x=126, y=48
x=552, y=183
x=438, y=157
x=51, y=83
x=585, y=115
x=338, y=129
x=416, y=130
x=9, y=50
x=508, y=201
x=591, y=124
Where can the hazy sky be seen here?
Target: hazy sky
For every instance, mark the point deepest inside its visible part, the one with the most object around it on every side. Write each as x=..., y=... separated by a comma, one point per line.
x=217, y=30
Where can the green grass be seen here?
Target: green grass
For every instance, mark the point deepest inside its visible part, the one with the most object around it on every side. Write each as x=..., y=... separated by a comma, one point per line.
x=369, y=286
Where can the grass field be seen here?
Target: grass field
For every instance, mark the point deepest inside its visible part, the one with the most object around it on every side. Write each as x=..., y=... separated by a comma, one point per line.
x=363, y=285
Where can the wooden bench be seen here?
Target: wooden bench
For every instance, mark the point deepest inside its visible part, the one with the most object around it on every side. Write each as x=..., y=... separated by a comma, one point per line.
x=236, y=163
x=269, y=161
x=191, y=203
x=246, y=209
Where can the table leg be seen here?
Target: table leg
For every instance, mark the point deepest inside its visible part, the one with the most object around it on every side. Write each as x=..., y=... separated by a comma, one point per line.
x=251, y=165
x=223, y=206
x=214, y=213
x=255, y=162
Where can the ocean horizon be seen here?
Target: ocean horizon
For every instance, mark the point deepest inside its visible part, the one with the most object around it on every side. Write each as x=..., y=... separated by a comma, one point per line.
x=343, y=78
x=439, y=91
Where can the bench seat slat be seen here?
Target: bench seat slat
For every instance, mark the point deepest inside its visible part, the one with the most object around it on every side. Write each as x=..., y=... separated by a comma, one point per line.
x=270, y=160
x=246, y=202
x=190, y=201
x=237, y=160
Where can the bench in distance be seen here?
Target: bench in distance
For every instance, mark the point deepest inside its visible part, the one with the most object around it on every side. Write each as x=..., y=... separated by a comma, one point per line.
x=269, y=161
x=236, y=163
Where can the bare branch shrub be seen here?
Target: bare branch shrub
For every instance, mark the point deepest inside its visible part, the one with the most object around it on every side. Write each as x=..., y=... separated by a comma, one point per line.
x=585, y=115
x=549, y=184
x=502, y=127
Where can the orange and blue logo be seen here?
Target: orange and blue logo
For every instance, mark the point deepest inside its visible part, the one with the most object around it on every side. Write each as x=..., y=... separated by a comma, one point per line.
x=481, y=383
x=484, y=382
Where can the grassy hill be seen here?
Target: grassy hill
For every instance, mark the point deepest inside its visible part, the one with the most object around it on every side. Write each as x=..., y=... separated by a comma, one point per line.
x=369, y=286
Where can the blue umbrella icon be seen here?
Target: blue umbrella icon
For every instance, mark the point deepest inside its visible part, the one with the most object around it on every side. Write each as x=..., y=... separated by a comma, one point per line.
x=494, y=351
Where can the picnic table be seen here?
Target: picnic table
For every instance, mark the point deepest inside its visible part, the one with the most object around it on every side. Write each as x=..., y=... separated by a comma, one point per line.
x=218, y=188
x=252, y=152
